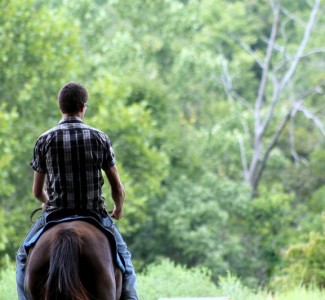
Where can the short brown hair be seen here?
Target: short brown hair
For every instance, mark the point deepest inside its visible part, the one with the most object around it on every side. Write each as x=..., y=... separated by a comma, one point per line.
x=72, y=97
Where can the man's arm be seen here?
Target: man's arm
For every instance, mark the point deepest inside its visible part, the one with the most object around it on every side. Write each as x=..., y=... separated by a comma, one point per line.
x=117, y=191
x=38, y=187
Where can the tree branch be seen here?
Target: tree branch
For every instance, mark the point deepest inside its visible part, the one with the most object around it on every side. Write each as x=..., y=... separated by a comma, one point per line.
x=243, y=158
x=292, y=142
x=293, y=66
x=291, y=16
x=313, y=118
x=249, y=50
x=258, y=129
x=290, y=59
x=297, y=106
x=228, y=85
x=302, y=45
x=266, y=65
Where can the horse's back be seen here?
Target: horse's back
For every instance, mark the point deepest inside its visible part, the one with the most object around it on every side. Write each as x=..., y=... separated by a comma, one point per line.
x=73, y=249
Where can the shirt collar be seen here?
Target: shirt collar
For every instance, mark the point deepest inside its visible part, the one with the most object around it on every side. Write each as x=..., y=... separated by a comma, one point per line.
x=71, y=119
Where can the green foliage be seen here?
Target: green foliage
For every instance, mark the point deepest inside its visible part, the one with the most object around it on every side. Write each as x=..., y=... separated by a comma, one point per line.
x=39, y=51
x=169, y=280
x=232, y=287
x=305, y=264
x=197, y=222
x=7, y=144
x=158, y=74
x=300, y=293
x=317, y=200
x=271, y=224
x=3, y=233
x=8, y=282
x=127, y=117
x=165, y=280
x=318, y=164
x=37, y=44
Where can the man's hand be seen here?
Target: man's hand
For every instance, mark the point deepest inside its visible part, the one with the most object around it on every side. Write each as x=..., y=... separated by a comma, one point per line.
x=117, y=213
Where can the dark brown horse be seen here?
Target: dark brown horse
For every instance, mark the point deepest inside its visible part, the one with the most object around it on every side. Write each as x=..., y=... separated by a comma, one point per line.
x=72, y=261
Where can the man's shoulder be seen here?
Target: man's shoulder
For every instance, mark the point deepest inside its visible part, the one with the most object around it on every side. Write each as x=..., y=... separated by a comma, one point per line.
x=97, y=132
x=49, y=132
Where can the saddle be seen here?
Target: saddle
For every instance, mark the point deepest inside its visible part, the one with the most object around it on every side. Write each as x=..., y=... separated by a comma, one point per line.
x=61, y=214
x=68, y=215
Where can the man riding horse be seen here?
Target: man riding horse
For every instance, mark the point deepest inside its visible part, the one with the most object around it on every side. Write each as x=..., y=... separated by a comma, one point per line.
x=68, y=160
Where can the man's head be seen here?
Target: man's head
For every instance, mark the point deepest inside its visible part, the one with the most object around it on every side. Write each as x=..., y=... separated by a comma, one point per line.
x=72, y=98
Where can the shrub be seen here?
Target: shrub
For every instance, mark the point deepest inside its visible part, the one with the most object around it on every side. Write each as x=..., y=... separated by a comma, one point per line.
x=305, y=265
x=169, y=280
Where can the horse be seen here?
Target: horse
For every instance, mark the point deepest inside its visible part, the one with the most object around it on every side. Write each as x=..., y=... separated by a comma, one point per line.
x=72, y=261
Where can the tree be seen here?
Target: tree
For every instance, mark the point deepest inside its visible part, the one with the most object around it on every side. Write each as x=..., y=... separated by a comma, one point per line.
x=39, y=52
x=304, y=264
x=7, y=144
x=128, y=120
x=278, y=67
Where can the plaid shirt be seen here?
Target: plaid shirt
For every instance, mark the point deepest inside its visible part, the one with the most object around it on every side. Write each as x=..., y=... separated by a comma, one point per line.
x=72, y=156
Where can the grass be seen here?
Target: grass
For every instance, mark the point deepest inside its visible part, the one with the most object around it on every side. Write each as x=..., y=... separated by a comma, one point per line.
x=8, y=283
x=167, y=280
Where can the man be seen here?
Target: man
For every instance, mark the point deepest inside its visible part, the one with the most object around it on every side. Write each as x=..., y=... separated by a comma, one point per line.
x=68, y=160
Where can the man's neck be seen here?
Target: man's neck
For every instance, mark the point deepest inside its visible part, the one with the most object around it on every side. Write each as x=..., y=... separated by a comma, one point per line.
x=78, y=115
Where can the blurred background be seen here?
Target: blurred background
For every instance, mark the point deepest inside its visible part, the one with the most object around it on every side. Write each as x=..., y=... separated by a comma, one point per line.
x=215, y=109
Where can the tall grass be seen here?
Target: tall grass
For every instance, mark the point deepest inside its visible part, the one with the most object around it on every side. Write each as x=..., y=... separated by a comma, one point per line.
x=233, y=288
x=8, y=283
x=168, y=280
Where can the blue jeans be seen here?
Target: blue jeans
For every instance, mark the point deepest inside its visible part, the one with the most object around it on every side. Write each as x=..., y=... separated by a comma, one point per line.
x=129, y=277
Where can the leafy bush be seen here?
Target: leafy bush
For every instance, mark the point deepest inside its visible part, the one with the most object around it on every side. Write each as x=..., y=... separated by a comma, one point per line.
x=233, y=288
x=169, y=280
x=8, y=282
x=305, y=264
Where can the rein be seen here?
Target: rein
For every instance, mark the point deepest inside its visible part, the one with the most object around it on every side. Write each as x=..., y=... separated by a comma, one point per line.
x=33, y=213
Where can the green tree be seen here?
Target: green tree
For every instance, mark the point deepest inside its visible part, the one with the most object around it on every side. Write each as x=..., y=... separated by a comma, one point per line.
x=276, y=80
x=128, y=118
x=199, y=99
x=7, y=145
x=39, y=52
x=304, y=264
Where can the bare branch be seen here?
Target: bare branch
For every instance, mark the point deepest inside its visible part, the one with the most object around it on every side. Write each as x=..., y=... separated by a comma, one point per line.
x=290, y=59
x=297, y=106
x=228, y=85
x=301, y=48
x=283, y=32
x=271, y=145
x=314, y=51
x=249, y=50
x=276, y=46
x=292, y=68
x=291, y=16
x=259, y=100
x=292, y=142
x=243, y=158
x=313, y=118
x=266, y=65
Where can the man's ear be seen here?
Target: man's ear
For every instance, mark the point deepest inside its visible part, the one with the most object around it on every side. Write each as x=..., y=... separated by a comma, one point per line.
x=82, y=107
